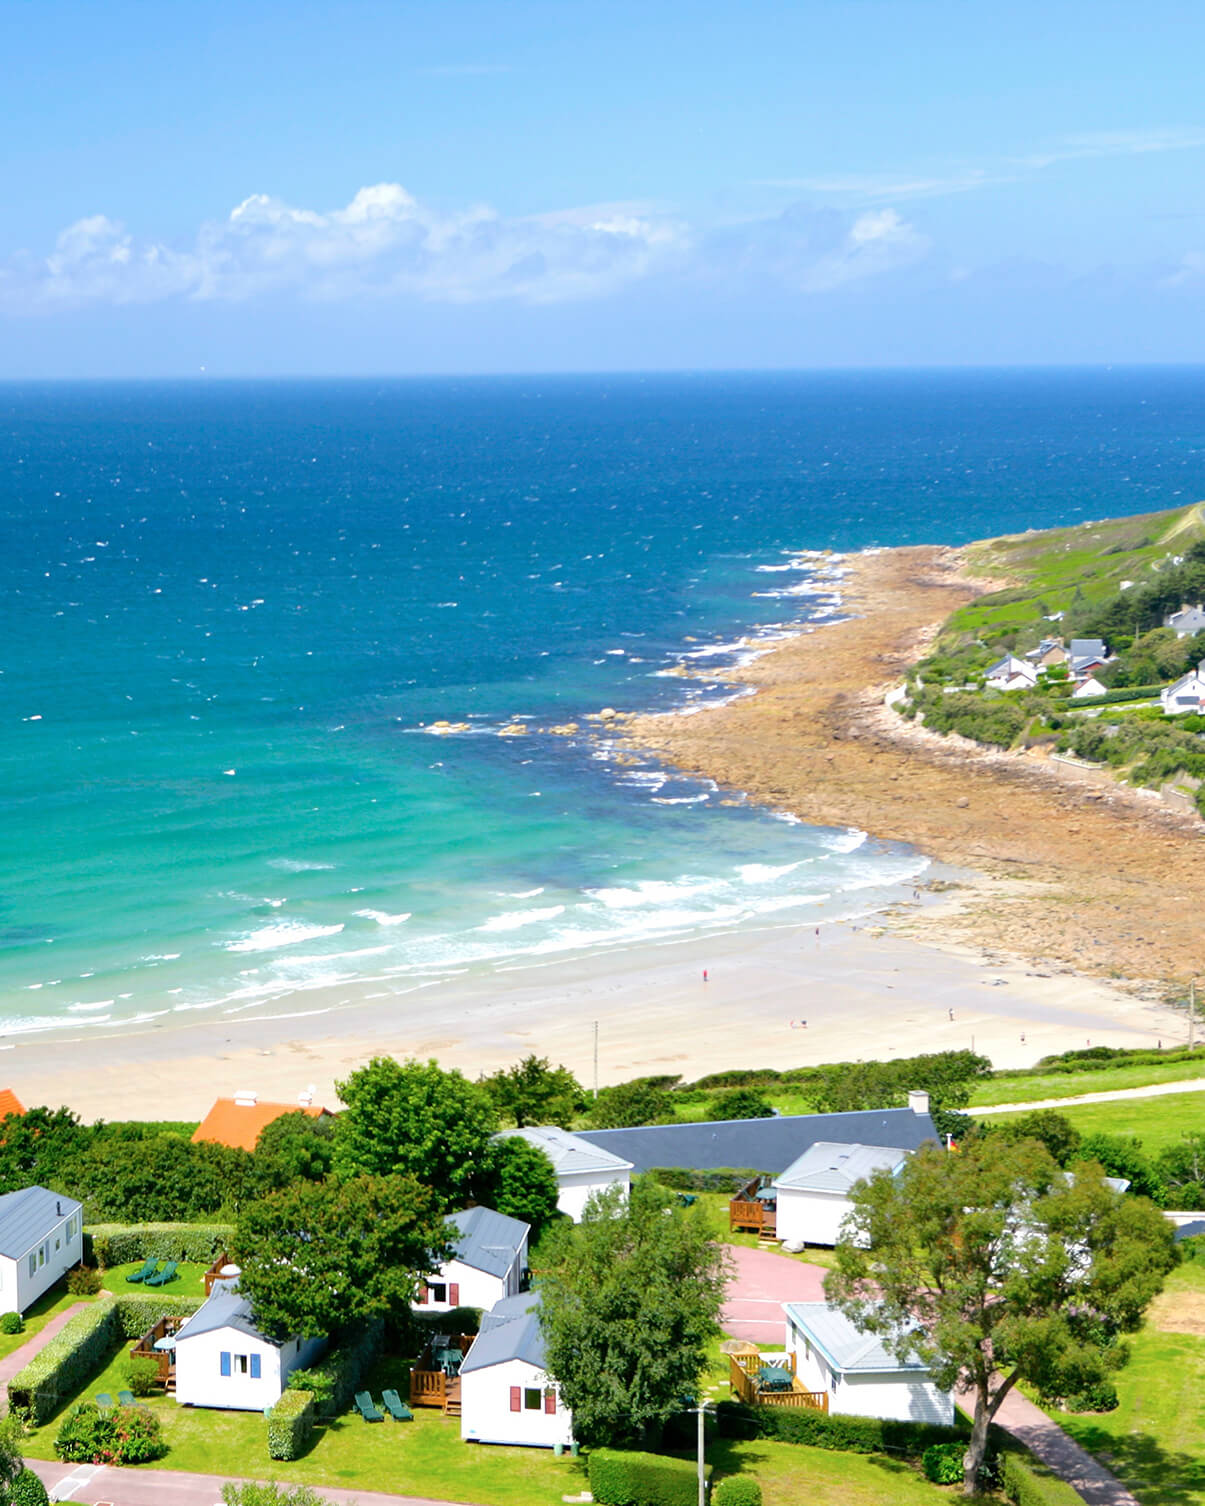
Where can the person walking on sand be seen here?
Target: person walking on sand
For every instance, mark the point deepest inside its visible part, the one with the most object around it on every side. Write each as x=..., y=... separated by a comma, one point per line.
x=704, y=975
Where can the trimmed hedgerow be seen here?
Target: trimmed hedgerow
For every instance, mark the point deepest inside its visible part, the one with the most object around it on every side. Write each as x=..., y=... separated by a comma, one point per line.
x=118, y=1244
x=337, y=1376
x=725, y=1179
x=618, y=1478
x=290, y=1425
x=737, y=1490
x=833, y=1430
x=138, y=1311
x=1027, y=1482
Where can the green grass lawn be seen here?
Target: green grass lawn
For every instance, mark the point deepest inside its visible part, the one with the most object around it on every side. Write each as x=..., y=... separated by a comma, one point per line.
x=1155, y=1440
x=717, y=1206
x=1006, y=1088
x=1155, y=1122
x=51, y=1303
x=188, y=1281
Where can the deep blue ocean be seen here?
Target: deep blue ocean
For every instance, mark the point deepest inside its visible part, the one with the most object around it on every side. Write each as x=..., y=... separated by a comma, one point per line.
x=233, y=611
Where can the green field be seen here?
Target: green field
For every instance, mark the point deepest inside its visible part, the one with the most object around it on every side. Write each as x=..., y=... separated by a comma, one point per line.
x=1023, y=1087
x=1155, y=1122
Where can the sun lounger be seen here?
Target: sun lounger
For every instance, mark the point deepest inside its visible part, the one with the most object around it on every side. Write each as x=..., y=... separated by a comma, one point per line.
x=367, y=1408
x=104, y=1401
x=168, y=1273
x=149, y=1267
x=128, y=1399
x=396, y=1407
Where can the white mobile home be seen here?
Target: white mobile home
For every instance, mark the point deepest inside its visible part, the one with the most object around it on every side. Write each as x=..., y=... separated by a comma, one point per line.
x=41, y=1238
x=1187, y=694
x=860, y=1374
x=813, y=1192
x=581, y=1168
x=223, y=1360
x=506, y=1394
x=489, y=1262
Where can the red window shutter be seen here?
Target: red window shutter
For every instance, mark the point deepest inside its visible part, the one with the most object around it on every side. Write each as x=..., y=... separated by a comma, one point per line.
x=550, y=1402
x=516, y=1398
x=454, y=1293
x=423, y=1295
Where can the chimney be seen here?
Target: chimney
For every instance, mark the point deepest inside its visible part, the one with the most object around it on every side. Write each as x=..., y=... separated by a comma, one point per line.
x=246, y=1098
x=58, y=1210
x=918, y=1101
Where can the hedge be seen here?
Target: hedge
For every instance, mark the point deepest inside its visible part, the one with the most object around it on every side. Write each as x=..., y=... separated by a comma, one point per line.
x=342, y=1368
x=83, y=1347
x=630, y=1479
x=737, y=1490
x=118, y=1244
x=1027, y=1482
x=290, y=1425
x=28, y=1490
x=834, y=1430
x=1116, y=697
x=725, y=1179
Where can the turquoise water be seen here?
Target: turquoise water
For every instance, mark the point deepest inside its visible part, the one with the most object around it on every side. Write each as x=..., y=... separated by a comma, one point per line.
x=231, y=614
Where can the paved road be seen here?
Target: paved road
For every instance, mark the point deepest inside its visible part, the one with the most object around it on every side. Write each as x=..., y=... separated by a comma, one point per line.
x=1030, y=1425
x=1155, y=1090
x=761, y=1283
x=21, y=1357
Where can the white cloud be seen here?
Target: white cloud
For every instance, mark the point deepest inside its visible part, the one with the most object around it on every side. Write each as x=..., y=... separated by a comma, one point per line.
x=385, y=243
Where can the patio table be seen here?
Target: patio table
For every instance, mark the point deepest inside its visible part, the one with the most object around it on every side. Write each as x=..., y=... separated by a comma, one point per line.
x=774, y=1378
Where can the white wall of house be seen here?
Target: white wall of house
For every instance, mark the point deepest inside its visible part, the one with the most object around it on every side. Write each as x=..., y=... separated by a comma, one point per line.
x=23, y=1280
x=202, y=1358
x=488, y=1411
x=898, y=1395
x=473, y=1288
x=810, y=1217
x=574, y=1187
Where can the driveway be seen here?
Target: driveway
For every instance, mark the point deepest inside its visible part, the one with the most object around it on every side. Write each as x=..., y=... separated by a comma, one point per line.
x=762, y=1281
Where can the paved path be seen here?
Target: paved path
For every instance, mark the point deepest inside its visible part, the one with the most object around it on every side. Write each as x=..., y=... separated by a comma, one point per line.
x=762, y=1281
x=1043, y=1437
x=21, y=1357
x=1155, y=1090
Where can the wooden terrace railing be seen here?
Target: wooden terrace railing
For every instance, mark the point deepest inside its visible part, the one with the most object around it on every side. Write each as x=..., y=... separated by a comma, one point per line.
x=742, y=1375
x=749, y=1215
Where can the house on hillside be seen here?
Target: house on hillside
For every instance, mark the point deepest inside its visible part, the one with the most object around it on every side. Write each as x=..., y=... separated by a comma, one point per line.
x=1187, y=622
x=1048, y=653
x=1086, y=656
x=1010, y=673
x=1187, y=694
x=812, y=1194
x=237, y=1121
x=857, y=1371
x=506, y=1393
x=41, y=1238
x=488, y=1263
x=581, y=1168
x=1089, y=687
x=221, y=1359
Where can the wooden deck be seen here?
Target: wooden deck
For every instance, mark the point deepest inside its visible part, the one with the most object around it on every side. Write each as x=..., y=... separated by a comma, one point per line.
x=430, y=1386
x=747, y=1214
x=144, y=1349
x=742, y=1376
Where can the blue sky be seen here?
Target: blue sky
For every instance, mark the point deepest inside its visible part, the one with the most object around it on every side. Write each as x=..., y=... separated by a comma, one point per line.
x=305, y=189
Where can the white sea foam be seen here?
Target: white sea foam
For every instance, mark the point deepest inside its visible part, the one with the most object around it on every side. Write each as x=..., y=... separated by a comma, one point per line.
x=679, y=799
x=383, y=918
x=513, y=920
x=521, y=894
x=284, y=933
x=160, y=957
x=654, y=892
x=766, y=873
x=89, y=1008
x=846, y=841
x=298, y=865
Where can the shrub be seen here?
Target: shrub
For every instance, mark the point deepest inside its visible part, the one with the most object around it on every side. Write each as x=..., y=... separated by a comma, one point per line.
x=28, y=1490
x=1100, y=1396
x=341, y=1370
x=1026, y=1482
x=942, y=1463
x=630, y=1479
x=119, y=1244
x=737, y=1490
x=138, y=1437
x=317, y=1383
x=834, y=1430
x=83, y=1281
x=12, y=1323
x=142, y=1374
x=129, y=1435
x=291, y=1425
x=251, y=1494
x=725, y=1179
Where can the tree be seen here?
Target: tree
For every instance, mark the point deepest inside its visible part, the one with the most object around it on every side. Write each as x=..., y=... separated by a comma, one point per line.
x=533, y=1091
x=631, y=1299
x=11, y=1463
x=740, y=1103
x=160, y=1179
x=414, y=1118
x=295, y=1147
x=44, y=1146
x=1123, y=1156
x=318, y=1255
x=1053, y=1130
x=993, y=1266
x=522, y=1182
x=1181, y=1168
x=642, y=1101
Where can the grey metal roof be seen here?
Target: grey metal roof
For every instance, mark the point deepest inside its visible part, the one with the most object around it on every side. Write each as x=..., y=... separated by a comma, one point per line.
x=1190, y=1231
x=486, y=1240
x=223, y=1308
x=841, y=1343
x=509, y=1331
x=825, y=1167
x=1087, y=648
x=769, y=1145
x=568, y=1153
x=27, y=1216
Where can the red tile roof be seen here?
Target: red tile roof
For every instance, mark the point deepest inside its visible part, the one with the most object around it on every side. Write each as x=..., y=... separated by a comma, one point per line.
x=10, y=1103
x=237, y=1124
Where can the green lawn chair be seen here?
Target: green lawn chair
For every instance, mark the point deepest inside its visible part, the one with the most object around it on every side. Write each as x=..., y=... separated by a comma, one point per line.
x=104, y=1401
x=367, y=1408
x=396, y=1407
x=149, y=1267
x=168, y=1273
x=128, y=1399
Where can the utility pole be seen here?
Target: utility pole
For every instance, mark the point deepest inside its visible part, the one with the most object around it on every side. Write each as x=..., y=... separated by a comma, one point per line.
x=596, y=1058
x=1192, y=1014
x=701, y=1412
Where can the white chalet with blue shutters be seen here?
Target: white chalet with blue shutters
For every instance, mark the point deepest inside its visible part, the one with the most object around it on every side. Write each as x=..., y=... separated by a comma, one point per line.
x=223, y=1360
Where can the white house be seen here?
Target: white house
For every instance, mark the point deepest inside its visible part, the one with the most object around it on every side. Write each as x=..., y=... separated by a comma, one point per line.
x=1187, y=621
x=489, y=1262
x=1187, y=694
x=223, y=1360
x=581, y=1168
x=41, y=1238
x=859, y=1372
x=813, y=1192
x=1011, y=673
x=1088, y=687
x=506, y=1394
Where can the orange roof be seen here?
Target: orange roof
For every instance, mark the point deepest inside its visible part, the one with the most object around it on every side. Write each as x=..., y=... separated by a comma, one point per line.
x=237, y=1124
x=10, y=1103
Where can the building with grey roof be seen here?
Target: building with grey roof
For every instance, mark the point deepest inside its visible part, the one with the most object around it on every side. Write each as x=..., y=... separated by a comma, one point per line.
x=488, y=1262
x=581, y=1167
x=506, y=1393
x=221, y=1358
x=813, y=1194
x=41, y=1238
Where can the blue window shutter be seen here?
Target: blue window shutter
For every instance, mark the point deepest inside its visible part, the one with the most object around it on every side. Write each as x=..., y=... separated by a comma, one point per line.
x=225, y=1362
x=255, y=1367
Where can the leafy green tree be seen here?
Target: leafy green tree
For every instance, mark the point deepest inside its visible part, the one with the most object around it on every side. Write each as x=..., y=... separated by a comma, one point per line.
x=1053, y=1130
x=316, y=1256
x=42, y=1146
x=1123, y=1156
x=414, y=1118
x=522, y=1182
x=297, y=1147
x=631, y=1299
x=988, y=1264
x=533, y=1091
x=1181, y=1169
x=161, y=1179
x=740, y=1103
x=11, y=1463
x=642, y=1101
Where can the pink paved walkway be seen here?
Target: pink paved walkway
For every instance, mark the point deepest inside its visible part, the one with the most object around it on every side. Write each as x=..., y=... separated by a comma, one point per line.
x=762, y=1281
x=1043, y=1437
x=21, y=1357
